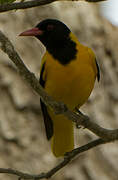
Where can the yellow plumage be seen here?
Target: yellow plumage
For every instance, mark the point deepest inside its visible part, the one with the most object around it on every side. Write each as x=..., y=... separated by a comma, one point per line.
x=68, y=74
x=71, y=84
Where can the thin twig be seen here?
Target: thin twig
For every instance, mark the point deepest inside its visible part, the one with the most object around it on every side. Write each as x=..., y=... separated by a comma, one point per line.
x=33, y=3
x=24, y=5
x=68, y=157
x=94, y=1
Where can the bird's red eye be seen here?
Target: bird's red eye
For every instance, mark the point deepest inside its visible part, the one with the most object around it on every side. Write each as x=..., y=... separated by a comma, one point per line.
x=50, y=27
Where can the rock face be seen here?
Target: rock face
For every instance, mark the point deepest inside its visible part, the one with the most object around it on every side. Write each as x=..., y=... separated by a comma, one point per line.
x=23, y=143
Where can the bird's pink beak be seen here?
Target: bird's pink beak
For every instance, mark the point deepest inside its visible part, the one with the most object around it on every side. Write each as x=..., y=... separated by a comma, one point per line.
x=32, y=32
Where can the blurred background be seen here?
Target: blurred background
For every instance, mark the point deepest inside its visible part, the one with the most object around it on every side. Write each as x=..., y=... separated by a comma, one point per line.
x=110, y=10
x=23, y=144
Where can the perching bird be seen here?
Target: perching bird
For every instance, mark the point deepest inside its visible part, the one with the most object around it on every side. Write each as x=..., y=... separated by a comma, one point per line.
x=68, y=73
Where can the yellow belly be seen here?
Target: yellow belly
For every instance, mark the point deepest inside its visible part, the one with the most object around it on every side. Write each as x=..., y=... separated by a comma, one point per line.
x=71, y=85
x=72, y=88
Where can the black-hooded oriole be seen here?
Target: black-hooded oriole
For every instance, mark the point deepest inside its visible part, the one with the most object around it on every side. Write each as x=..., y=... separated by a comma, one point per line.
x=68, y=73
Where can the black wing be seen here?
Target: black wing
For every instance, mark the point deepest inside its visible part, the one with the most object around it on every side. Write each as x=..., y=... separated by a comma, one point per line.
x=98, y=69
x=47, y=120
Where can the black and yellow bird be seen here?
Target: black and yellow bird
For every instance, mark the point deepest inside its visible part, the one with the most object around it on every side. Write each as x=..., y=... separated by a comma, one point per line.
x=68, y=73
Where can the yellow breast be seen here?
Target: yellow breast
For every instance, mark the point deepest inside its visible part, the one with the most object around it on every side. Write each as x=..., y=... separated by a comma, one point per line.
x=71, y=83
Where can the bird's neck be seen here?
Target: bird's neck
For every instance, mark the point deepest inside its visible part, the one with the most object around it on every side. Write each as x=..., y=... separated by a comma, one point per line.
x=63, y=50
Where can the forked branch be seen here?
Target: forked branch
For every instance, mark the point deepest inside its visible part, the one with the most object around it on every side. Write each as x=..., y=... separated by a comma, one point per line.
x=59, y=108
x=62, y=164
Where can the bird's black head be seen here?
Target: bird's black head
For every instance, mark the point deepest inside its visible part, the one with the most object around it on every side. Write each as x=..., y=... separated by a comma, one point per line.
x=55, y=36
x=54, y=33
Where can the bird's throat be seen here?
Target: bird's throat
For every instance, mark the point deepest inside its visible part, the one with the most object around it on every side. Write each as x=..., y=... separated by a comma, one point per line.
x=63, y=51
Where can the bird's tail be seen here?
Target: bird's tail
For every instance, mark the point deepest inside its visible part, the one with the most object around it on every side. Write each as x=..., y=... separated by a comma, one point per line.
x=63, y=137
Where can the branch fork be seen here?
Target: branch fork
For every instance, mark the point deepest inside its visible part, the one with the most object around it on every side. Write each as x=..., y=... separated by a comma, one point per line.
x=105, y=135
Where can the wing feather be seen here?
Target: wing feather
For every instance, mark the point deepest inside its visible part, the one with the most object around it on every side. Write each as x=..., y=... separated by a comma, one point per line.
x=98, y=71
x=47, y=120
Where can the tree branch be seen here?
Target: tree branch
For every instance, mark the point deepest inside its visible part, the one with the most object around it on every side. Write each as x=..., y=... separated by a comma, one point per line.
x=33, y=3
x=68, y=157
x=58, y=107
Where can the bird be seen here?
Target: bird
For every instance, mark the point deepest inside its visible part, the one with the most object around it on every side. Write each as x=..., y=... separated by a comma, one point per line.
x=68, y=73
